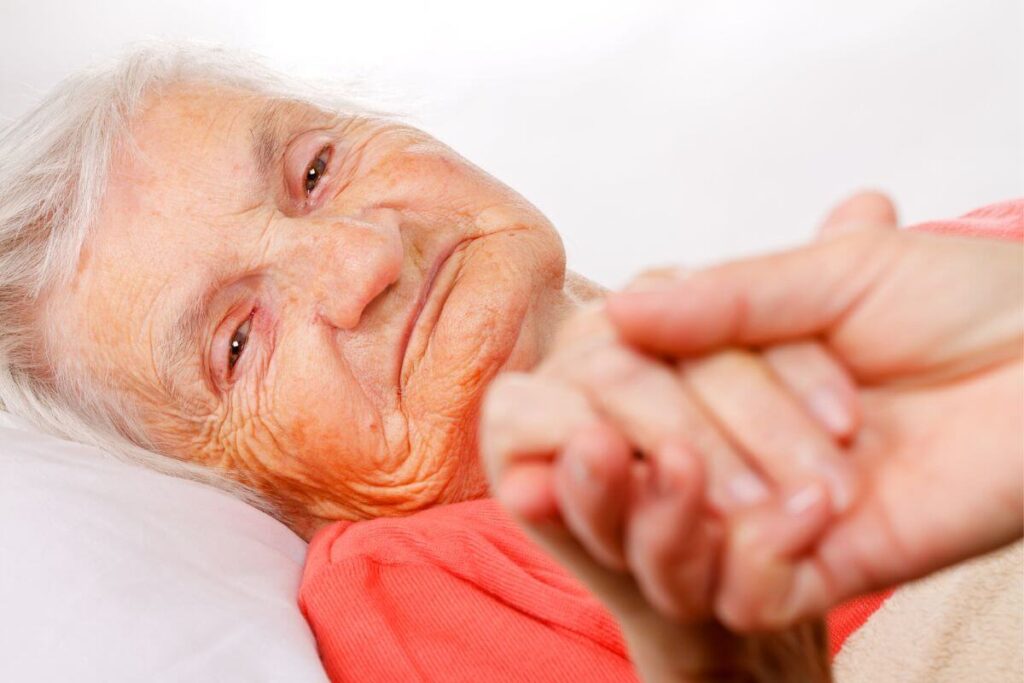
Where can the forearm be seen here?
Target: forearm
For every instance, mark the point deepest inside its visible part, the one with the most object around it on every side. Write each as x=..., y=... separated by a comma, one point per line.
x=663, y=650
x=707, y=652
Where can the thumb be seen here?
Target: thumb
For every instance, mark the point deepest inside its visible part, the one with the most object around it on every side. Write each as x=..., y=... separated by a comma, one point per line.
x=864, y=210
x=796, y=294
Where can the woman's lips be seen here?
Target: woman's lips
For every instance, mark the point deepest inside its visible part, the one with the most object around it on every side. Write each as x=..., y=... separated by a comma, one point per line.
x=421, y=301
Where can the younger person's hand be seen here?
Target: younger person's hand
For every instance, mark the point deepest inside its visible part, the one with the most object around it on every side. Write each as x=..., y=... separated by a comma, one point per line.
x=932, y=330
x=717, y=434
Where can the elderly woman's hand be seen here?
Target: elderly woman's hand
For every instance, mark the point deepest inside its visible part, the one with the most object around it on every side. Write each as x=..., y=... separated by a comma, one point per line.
x=565, y=437
x=561, y=445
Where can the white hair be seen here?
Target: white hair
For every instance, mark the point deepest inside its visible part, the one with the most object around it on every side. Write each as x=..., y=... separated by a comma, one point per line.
x=53, y=170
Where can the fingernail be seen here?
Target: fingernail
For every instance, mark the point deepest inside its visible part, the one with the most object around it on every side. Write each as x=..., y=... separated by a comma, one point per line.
x=660, y=279
x=804, y=499
x=513, y=495
x=580, y=469
x=747, y=489
x=830, y=409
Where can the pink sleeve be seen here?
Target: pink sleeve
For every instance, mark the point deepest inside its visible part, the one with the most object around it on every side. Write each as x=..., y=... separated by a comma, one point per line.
x=453, y=593
x=1004, y=220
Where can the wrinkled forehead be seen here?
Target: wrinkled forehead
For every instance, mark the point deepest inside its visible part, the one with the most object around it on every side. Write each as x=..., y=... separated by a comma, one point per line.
x=206, y=151
x=188, y=168
x=194, y=134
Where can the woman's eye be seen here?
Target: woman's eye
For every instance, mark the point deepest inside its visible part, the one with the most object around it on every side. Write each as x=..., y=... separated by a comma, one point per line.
x=316, y=170
x=238, y=342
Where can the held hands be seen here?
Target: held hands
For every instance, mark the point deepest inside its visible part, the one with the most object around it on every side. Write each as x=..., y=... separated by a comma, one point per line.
x=931, y=330
x=748, y=477
x=615, y=463
x=643, y=461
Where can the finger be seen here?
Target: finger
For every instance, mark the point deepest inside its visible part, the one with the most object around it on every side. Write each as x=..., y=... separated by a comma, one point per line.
x=864, y=210
x=664, y=649
x=671, y=547
x=806, y=368
x=768, y=424
x=758, y=301
x=527, y=490
x=765, y=580
x=649, y=403
x=655, y=278
x=592, y=484
x=821, y=384
x=524, y=421
x=861, y=211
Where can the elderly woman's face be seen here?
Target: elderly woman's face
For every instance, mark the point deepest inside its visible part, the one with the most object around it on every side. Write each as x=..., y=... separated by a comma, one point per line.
x=312, y=303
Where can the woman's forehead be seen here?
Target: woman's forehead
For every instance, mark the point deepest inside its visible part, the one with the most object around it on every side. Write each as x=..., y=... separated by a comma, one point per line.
x=226, y=134
x=190, y=132
x=198, y=156
x=189, y=166
x=166, y=216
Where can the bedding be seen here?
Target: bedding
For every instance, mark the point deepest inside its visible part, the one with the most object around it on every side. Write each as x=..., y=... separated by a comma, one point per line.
x=110, y=572
x=962, y=624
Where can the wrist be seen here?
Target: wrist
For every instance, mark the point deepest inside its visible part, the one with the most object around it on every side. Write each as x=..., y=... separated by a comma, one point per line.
x=665, y=651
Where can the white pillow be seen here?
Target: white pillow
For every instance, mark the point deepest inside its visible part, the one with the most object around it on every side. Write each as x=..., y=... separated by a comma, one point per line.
x=110, y=572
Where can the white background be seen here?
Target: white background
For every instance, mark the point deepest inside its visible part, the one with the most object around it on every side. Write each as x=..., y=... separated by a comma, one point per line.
x=649, y=132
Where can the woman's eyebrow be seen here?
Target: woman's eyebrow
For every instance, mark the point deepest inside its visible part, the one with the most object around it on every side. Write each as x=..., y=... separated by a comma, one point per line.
x=268, y=139
x=273, y=127
x=184, y=339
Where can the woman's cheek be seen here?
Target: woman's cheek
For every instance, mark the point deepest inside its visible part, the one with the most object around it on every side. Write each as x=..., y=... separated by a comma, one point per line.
x=336, y=447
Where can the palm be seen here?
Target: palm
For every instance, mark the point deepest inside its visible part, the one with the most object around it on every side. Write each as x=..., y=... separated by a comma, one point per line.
x=933, y=487
x=940, y=444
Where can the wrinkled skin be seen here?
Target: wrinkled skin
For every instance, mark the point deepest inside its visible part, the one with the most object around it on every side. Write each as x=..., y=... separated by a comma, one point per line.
x=320, y=410
x=370, y=310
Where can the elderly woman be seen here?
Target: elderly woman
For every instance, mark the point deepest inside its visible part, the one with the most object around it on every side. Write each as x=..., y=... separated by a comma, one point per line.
x=228, y=278
x=225, y=278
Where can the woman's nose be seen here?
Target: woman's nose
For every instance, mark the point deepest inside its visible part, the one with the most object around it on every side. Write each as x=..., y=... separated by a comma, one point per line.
x=353, y=260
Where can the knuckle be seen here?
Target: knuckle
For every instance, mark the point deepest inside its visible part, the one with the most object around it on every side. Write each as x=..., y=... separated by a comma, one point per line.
x=612, y=366
x=735, y=617
x=498, y=398
x=507, y=404
x=522, y=410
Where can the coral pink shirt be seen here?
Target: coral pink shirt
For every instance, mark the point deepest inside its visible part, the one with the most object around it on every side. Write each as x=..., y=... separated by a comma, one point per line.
x=453, y=593
x=459, y=593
